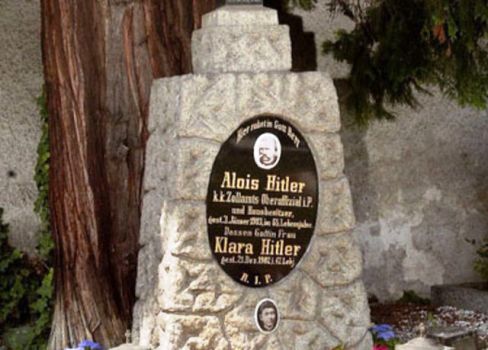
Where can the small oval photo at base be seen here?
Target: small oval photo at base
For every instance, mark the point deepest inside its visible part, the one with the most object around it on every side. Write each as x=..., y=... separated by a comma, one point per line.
x=266, y=316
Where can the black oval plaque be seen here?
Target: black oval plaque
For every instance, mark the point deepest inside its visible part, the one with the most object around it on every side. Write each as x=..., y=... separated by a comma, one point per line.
x=262, y=201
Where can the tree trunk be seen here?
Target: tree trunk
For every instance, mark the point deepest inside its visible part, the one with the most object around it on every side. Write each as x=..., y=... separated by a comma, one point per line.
x=100, y=57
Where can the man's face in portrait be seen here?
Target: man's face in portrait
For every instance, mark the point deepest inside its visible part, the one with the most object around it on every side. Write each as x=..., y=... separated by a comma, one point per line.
x=268, y=318
x=267, y=151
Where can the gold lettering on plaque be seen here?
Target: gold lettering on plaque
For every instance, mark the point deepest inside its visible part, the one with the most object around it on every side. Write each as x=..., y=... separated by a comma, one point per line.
x=232, y=181
x=223, y=245
x=276, y=184
x=272, y=247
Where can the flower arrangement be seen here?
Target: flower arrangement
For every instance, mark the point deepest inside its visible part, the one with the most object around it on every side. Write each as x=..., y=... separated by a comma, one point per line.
x=384, y=337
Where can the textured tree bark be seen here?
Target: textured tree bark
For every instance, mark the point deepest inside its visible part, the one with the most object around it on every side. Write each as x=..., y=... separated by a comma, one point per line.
x=100, y=57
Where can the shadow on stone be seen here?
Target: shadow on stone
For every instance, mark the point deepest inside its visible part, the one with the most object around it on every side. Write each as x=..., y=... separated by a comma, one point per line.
x=304, y=51
x=365, y=197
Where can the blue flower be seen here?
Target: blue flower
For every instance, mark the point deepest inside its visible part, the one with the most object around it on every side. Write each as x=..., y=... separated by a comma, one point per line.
x=381, y=328
x=90, y=345
x=386, y=335
x=383, y=332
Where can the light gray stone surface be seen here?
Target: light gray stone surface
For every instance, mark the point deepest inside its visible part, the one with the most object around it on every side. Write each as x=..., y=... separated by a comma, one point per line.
x=242, y=15
x=20, y=85
x=333, y=260
x=241, y=39
x=185, y=300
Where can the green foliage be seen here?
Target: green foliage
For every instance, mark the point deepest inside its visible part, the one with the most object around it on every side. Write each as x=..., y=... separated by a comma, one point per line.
x=41, y=178
x=410, y=297
x=42, y=304
x=19, y=284
x=481, y=264
x=26, y=285
x=12, y=289
x=398, y=48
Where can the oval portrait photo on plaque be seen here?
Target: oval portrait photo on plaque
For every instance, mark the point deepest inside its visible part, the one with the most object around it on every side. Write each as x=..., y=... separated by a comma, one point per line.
x=267, y=316
x=262, y=201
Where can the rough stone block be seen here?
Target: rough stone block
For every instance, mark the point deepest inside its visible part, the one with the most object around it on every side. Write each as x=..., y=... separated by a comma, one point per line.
x=239, y=16
x=329, y=154
x=147, y=267
x=181, y=332
x=211, y=302
x=144, y=322
x=164, y=104
x=183, y=232
x=344, y=312
x=150, y=230
x=308, y=100
x=306, y=335
x=173, y=293
x=159, y=162
x=213, y=106
x=193, y=167
x=208, y=107
x=241, y=318
x=190, y=286
x=333, y=260
x=239, y=322
x=299, y=301
x=241, y=48
x=335, y=207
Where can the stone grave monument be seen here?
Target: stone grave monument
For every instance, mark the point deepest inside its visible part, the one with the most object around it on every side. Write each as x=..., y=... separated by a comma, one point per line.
x=247, y=215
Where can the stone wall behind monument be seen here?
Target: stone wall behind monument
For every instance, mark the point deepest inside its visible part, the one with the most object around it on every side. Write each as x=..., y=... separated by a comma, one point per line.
x=418, y=184
x=21, y=83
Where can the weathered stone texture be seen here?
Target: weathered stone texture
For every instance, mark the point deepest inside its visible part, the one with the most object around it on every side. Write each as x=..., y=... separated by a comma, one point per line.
x=185, y=223
x=188, y=285
x=191, y=333
x=308, y=100
x=241, y=39
x=193, y=166
x=344, y=311
x=212, y=106
x=336, y=213
x=333, y=260
x=296, y=335
x=300, y=300
x=192, y=303
x=220, y=50
x=240, y=16
x=329, y=154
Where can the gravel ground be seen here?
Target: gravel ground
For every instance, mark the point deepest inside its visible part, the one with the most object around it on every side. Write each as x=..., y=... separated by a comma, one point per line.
x=405, y=318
